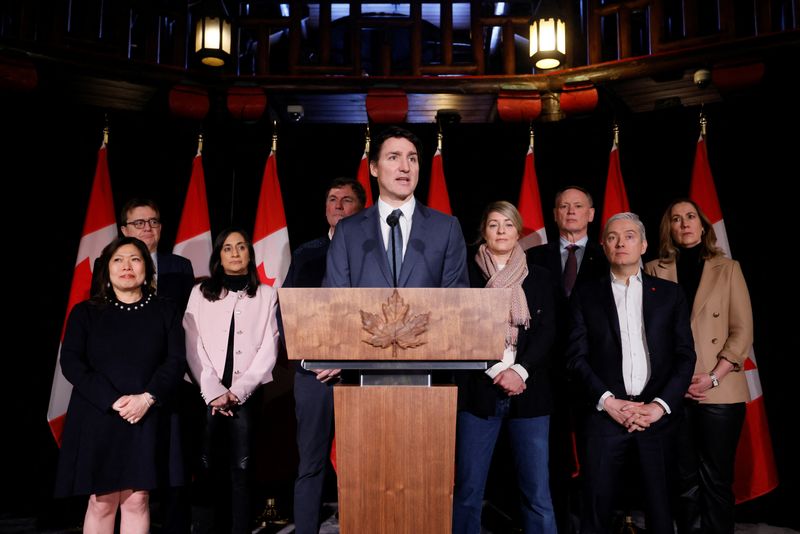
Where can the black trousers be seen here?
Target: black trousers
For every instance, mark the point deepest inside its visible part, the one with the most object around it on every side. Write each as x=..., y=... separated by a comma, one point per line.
x=609, y=448
x=314, y=411
x=235, y=434
x=707, y=442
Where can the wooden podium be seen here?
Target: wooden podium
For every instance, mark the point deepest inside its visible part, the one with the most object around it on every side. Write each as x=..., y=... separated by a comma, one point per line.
x=395, y=431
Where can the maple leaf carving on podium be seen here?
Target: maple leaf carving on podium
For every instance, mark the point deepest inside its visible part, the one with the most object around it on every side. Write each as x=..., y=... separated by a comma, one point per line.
x=395, y=328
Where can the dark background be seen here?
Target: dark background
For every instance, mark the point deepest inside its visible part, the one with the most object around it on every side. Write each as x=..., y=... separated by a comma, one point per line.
x=48, y=149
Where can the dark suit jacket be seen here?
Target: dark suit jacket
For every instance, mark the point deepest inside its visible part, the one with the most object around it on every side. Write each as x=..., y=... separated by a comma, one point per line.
x=435, y=255
x=175, y=278
x=477, y=394
x=595, y=350
x=593, y=266
x=308, y=264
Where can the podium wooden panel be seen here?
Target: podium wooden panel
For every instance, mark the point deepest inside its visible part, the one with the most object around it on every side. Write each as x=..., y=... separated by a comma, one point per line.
x=395, y=444
x=396, y=449
x=325, y=324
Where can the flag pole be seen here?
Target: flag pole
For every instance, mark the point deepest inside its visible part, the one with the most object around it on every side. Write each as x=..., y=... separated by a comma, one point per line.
x=615, y=129
x=703, y=123
x=530, y=132
x=199, y=144
x=275, y=136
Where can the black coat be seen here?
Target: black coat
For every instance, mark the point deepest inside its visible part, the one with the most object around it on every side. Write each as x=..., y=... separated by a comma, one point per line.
x=477, y=394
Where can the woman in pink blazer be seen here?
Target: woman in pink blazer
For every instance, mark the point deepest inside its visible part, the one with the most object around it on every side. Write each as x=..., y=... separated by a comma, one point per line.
x=722, y=326
x=231, y=348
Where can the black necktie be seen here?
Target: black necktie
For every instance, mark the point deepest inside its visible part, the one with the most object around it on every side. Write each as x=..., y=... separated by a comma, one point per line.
x=395, y=249
x=570, y=269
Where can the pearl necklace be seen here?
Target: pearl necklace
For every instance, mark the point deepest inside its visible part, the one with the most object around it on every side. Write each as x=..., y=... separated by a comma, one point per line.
x=129, y=307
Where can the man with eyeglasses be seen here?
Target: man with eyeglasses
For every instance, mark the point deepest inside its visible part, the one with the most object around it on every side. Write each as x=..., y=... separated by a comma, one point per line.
x=140, y=218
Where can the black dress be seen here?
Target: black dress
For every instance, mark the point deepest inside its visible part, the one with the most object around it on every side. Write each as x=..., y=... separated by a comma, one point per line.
x=108, y=351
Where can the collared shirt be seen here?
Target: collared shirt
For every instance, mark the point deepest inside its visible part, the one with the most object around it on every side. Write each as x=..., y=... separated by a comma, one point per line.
x=384, y=210
x=635, y=359
x=635, y=355
x=579, y=252
x=154, y=255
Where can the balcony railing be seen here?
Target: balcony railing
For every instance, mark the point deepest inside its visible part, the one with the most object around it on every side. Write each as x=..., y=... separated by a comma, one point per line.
x=369, y=39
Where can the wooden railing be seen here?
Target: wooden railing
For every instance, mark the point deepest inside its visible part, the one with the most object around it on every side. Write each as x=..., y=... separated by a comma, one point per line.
x=160, y=34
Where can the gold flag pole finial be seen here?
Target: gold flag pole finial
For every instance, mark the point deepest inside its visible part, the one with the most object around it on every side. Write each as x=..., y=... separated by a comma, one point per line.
x=703, y=122
x=366, y=142
x=615, y=129
x=274, y=136
x=439, y=133
x=530, y=132
x=105, y=131
x=200, y=144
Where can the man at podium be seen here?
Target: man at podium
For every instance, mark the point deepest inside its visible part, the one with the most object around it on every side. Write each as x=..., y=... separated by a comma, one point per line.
x=397, y=242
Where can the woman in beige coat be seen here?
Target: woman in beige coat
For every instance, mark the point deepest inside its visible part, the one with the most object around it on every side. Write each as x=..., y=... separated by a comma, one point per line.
x=722, y=325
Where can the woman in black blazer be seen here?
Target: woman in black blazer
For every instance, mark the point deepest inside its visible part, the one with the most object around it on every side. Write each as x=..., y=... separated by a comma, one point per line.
x=515, y=390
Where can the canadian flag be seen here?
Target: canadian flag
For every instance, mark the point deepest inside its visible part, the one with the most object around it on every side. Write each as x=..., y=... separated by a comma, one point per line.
x=99, y=229
x=363, y=175
x=194, y=231
x=270, y=235
x=755, y=473
x=615, y=199
x=530, y=205
x=438, y=198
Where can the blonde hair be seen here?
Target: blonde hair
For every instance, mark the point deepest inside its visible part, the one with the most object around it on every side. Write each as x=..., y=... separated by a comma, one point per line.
x=504, y=208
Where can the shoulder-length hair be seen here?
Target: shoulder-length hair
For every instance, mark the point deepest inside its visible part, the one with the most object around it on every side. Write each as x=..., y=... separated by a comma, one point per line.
x=504, y=208
x=669, y=250
x=212, y=286
x=103, y=291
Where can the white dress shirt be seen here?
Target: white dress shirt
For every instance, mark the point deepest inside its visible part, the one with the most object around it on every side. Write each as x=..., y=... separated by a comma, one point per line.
x=384, y=210
x=635, y=355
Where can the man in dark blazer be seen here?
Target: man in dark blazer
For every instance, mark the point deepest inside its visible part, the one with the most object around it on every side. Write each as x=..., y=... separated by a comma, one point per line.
x=631, y=348
x=313, y=397
x=141, y=218
x=433, y=250
x=572, y=212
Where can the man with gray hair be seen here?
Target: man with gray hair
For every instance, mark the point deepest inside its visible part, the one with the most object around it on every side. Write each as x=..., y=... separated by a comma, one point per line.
x=631, y=348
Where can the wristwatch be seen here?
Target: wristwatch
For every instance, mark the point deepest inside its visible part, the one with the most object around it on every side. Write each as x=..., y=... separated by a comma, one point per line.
x=714, y=379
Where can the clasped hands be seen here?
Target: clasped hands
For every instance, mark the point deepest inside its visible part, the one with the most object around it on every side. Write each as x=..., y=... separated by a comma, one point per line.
x=133, y=408
x=510, y=382
x=633, y=415
x=224, y=404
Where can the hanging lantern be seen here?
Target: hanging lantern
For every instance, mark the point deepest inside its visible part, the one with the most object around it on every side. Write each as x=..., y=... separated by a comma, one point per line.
x=548, y=36
x=213, y=34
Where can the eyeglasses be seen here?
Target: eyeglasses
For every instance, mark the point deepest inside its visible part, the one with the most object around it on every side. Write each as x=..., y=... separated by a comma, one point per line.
x=139, y=223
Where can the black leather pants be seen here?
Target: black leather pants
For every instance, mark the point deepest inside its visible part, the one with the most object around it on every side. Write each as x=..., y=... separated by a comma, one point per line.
x=236, y=433
x=707, y=442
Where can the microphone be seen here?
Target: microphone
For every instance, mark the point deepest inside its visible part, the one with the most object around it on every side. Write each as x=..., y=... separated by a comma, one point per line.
x=392, y=220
